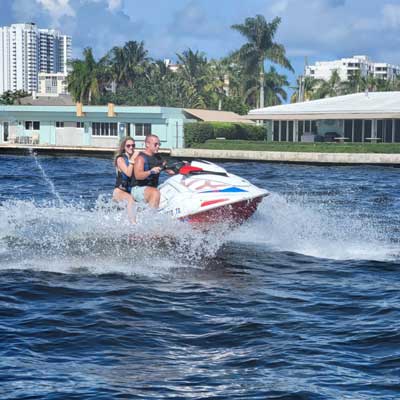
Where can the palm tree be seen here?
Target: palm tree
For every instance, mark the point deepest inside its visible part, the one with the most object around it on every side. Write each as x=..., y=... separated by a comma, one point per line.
x=307, y=85
x=114, y=60
x=192, y=76
x=395, y=83
x=355, y=83
x=332, y=87
x=84, y=80
x=193, y=68
x=134, y=60
x=260, y=47
x=275, y=93
x=217, y=86
x=128, y=63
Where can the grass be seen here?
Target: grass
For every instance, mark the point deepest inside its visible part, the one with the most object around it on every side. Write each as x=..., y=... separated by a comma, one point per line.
x=388, y=148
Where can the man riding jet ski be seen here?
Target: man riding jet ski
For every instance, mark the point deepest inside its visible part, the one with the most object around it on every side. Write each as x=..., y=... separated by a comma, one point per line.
x=199, y=191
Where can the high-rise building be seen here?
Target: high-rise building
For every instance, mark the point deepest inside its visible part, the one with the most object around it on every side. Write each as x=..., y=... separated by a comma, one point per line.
x=347, y=67
x=25, y=51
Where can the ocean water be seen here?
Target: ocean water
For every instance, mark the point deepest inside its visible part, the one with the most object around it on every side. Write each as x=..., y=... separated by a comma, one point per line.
x=301, y=302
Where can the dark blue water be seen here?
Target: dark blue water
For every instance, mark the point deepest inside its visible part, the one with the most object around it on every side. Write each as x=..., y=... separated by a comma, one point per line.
x=302, y=302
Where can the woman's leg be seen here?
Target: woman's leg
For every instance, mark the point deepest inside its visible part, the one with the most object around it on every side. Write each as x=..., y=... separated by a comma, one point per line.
x=121, y=196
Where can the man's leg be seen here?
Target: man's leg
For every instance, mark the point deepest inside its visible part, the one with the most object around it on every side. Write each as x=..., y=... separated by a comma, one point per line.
x=152, y=196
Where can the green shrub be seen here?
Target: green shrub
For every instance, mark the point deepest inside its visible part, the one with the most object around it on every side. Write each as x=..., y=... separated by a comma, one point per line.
x=225, y=130
x=255, y=132
x=200, y=132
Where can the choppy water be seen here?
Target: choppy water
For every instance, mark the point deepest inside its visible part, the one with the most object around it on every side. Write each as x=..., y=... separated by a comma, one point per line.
x=302, y=302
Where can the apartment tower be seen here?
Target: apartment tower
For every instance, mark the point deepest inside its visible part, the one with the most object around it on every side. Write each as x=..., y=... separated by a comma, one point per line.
x=26, y=51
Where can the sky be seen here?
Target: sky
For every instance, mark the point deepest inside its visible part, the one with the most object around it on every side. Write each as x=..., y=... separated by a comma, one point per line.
x=316, y=30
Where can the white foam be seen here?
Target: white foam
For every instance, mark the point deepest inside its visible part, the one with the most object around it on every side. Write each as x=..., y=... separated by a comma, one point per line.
x=296, y=225
x=69, y=237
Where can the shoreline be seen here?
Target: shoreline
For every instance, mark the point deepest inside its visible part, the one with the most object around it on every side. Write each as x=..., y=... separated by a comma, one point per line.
x=231, y=155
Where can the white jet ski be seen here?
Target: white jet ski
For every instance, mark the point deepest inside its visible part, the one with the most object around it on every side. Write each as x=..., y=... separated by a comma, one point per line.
x=203, y=192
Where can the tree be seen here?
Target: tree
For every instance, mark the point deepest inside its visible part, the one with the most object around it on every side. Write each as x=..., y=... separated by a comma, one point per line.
x=260, y=47
x=127, y=63
x=330, y=88
x=84, y=82
x=9, y=97
x=275, y=93
x=192, y=75
x=305, y=89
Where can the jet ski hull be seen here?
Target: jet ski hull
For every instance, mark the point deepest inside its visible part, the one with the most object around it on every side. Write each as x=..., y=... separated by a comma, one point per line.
x=205, y=193
x=236, y=213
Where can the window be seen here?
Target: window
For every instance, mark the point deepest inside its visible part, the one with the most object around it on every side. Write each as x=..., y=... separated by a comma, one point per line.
x=59, y=124
x=127, y=129
x=142, y=129
x=32, y=125
x=104, y=129
x=80, y=124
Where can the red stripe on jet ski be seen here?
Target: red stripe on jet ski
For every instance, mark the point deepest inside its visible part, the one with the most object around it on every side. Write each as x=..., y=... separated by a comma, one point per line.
x=208, y=203
x=187, y=169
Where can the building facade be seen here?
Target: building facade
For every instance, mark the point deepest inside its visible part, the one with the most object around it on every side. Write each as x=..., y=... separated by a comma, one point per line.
x=91, y=126
x=52, y=84
x=347, y=67
x=25, y=51
x=371, y=118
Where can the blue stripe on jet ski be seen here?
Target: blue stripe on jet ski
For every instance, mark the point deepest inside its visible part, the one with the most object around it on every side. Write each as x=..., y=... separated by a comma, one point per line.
x=227, y=190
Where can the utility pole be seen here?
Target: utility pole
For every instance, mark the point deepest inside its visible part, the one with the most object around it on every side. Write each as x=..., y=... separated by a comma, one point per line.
x=302, y=83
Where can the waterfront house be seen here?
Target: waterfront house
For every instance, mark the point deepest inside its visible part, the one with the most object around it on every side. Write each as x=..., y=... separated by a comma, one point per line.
x=359, y=117
x=89, y=126
x=51, y=121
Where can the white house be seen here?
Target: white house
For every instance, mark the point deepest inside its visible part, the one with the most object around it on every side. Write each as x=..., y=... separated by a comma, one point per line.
x=359, y=117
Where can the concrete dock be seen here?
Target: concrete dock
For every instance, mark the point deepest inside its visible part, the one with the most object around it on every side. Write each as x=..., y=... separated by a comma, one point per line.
x=234, y=155
x=290, y=157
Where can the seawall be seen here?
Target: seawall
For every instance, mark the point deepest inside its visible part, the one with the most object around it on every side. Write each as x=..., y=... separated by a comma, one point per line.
x=290, y=157
x=236, y=155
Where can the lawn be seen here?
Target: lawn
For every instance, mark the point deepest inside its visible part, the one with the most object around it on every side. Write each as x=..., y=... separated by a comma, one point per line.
x=216, y=144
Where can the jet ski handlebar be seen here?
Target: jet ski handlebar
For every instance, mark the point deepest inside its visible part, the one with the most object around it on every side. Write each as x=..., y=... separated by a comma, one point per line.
x=184, y=168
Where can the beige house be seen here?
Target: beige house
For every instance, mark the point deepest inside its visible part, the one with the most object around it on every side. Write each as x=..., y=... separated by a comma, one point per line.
x=215, y=116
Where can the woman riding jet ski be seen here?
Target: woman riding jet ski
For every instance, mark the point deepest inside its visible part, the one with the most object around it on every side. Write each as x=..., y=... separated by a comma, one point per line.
x=203, y=192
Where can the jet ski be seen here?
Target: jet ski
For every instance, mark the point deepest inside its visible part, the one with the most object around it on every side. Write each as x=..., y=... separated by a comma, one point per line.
x=203, y=192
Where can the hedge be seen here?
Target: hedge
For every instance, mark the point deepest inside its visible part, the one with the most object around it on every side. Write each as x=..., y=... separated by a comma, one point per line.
x=200, y=132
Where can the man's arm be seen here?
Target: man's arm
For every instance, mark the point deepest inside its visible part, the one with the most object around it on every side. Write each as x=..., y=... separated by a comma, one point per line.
x=140, y=173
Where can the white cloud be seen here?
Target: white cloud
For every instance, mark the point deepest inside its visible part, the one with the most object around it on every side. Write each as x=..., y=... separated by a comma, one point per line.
x=391, y=15
x=279, y=6
x=114, y=4
x=24, y=10
x=57, y=9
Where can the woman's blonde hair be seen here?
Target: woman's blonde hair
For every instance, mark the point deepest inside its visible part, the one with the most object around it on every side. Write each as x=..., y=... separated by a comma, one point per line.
x=121, y=147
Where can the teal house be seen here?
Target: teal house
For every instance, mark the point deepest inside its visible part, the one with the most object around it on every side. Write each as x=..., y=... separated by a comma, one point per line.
x=90, y=126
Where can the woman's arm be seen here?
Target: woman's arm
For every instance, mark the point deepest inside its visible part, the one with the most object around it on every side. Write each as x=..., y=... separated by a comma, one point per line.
x=126, y=169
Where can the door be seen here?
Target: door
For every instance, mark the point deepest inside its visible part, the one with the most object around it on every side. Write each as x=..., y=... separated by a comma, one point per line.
x=5, y=132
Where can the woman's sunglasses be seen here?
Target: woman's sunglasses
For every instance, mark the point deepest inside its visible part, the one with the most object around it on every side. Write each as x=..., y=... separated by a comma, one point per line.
x=130, y=145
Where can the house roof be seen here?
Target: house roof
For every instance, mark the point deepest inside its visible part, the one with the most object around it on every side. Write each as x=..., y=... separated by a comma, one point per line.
x=61, y=100
x=375, y=105
x=215, y=116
